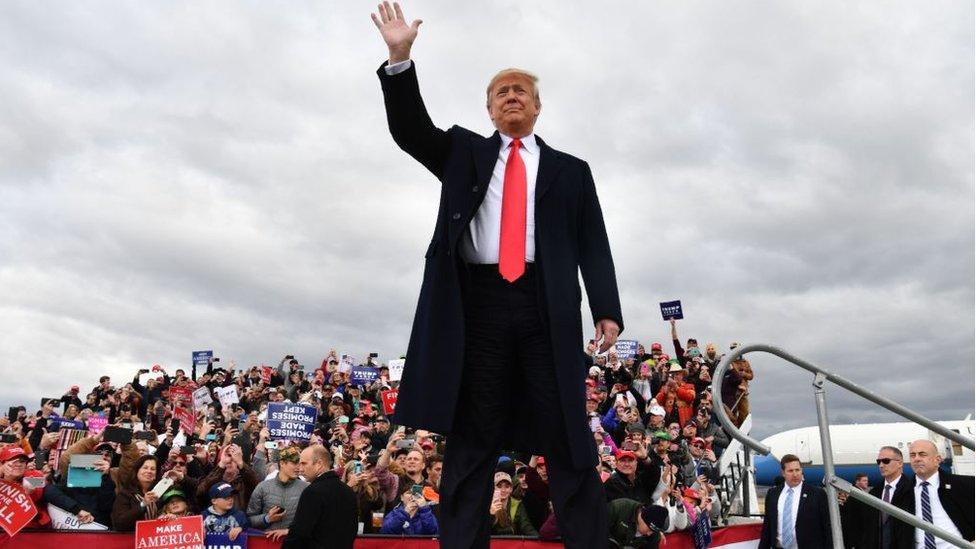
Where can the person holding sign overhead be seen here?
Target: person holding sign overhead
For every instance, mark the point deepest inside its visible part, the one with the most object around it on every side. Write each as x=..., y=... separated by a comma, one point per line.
x=499, y=308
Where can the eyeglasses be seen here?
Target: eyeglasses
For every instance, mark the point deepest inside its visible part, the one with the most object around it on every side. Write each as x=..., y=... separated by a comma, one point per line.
x=886, y=461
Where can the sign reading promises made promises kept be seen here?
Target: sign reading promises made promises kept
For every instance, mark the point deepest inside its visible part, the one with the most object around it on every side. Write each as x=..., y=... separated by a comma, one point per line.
x=291, y=421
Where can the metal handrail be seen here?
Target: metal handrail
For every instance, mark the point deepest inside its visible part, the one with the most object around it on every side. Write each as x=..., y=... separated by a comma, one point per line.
x=834, y=483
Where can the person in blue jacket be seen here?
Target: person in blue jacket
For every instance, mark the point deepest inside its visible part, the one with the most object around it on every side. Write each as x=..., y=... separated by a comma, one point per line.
x=222, y=517
x=412, y=517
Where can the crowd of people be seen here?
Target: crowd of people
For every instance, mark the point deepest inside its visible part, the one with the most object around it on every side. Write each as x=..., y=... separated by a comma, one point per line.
x=651, y=415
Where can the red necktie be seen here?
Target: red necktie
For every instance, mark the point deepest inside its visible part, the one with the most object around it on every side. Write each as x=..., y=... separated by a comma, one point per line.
x=511, y=245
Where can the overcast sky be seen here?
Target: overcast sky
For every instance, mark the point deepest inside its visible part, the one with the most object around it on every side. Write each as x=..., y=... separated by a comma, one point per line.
x=177, y=176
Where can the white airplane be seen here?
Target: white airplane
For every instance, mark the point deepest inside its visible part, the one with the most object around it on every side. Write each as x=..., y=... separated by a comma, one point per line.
x=856, y=449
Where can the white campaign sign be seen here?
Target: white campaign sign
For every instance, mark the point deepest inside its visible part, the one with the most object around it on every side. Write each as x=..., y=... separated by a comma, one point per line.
x=396, y=369
x=227, y=395
x=63, y=520
x=201, y=397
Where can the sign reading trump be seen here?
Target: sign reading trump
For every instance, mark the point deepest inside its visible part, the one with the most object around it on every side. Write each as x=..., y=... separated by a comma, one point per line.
x=363, y=375
x=291, y=421
x=671, y=310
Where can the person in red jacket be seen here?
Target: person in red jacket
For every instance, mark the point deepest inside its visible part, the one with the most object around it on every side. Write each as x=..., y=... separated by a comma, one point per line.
x=677, y=397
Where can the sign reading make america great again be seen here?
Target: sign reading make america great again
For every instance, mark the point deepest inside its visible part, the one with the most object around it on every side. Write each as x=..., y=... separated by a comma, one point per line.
x=181, y=533
x=291, y=421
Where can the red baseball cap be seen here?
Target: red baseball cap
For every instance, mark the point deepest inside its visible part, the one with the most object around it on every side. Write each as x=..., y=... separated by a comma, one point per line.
x=591, y=382
x=691, y=493
x=621, y=454
x=13, y=452
x=540, y=461
x=655, y=346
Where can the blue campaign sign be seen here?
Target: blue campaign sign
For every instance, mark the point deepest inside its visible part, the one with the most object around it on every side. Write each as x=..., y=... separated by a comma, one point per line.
x=56, y=423
x=671, y=309
x=202, y=358
x=626, y=348
x=363, y=375
x=222, y=541
x=291, y=421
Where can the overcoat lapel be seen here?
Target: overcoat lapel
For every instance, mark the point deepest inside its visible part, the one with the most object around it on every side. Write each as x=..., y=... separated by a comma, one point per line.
x=485, y=155
x=549, y=166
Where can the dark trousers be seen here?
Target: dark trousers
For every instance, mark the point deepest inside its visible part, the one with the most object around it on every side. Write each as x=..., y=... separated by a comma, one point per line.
x=508, y=352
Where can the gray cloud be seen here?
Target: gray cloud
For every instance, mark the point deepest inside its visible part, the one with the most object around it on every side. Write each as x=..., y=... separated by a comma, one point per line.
x=178, y=177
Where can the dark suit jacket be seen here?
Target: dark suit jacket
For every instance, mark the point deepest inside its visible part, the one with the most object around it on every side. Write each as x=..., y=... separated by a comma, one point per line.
x=956, y=496
x=812, y=519
x=326, y=517
x=867, y=530
x=570, y=238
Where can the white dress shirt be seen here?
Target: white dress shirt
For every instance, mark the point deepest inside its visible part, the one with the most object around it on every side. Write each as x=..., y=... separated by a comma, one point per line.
x=780, y=503
x=939, y=516
x=480, y=243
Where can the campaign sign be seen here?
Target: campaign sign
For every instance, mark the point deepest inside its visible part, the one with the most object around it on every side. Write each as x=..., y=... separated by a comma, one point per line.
x=187, y=421
x=626, y=348
x=396, y=369
x=223, y=541
x=58, y=423
x=363, y=375
x=182, y=394
x=389, y=400
x=266, y=373
x=16, y=507
x=226, y=395
x=181, y=533
x=201, y=397
x=63, y=520
x=202, y=358
x=671, y=309
x=96, y=424
x=346, y=364
x=291, y=421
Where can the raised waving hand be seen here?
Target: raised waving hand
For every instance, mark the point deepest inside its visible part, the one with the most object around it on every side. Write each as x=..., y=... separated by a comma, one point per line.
x=397, y=34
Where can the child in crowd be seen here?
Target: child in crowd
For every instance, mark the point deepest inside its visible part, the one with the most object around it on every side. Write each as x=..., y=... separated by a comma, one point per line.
x=221, y=517
x=173, y=504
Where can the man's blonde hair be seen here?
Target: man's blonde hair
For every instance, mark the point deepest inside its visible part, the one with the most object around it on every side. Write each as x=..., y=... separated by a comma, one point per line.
x=513, y=71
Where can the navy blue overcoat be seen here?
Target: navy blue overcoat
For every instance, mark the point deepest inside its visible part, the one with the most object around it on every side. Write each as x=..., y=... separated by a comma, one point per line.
x=570, y=239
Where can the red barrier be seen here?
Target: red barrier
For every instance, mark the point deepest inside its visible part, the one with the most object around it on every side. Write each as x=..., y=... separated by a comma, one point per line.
x=745, y=534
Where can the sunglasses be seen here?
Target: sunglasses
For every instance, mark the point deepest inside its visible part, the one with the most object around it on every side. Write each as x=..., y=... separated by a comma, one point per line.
x=886, y=461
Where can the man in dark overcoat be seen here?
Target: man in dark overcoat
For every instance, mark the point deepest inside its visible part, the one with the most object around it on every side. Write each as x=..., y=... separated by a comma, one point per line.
x=495, y=355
